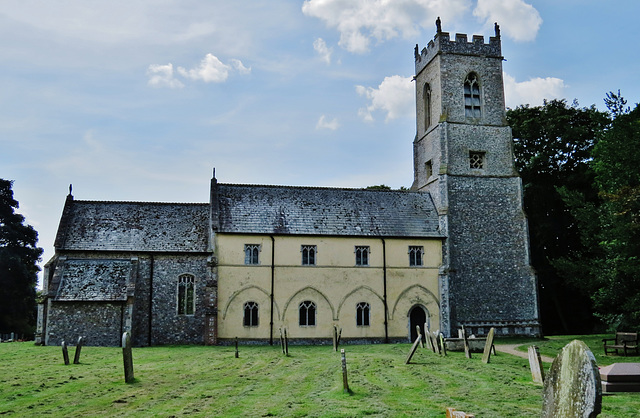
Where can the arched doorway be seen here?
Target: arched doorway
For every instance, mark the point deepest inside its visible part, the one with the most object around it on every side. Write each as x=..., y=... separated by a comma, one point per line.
x=417, y=316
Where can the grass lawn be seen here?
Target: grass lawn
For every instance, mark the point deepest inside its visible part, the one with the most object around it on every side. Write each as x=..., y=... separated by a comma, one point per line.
x=209, y=381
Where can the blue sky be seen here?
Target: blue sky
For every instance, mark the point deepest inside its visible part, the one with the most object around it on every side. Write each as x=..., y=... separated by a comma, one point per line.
x=138, y=101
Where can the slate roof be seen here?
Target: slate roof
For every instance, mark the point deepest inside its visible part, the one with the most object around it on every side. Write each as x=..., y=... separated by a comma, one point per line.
x=94, y=280
x=325, y=211
x=133, y=226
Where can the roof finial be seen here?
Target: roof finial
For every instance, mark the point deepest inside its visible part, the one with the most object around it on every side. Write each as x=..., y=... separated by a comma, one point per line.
x=70, y=189
x=214, y=172
x=497, y=29
x=438, y=25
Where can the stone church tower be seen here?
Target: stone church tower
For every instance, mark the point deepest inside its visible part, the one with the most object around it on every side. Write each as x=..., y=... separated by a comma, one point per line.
x=463, y=157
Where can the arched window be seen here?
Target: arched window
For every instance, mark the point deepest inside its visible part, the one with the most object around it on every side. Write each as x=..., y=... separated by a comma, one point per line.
x=362, y=314
x=250, y=314
x=186, y=294
x=426, y=96
x=472, y=96
x=251, y=252
x=307, y=312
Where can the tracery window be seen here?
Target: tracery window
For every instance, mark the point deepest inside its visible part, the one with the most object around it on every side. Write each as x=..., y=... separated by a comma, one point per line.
x=251, y=252
x=476, y=160
x=250, y=314
x=472, y=96
x=426, y=95
x=415, y=255
x=186, y=294
x=362, y=314
x=362, y=255
x=307, y=312
x=309, y=255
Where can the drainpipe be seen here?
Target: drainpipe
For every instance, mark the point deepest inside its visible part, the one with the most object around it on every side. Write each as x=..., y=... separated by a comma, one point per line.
x=150, y=301
x=273, y=277
x=384, y=281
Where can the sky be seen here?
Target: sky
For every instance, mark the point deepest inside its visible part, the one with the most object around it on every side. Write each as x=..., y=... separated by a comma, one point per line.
x=141, y=100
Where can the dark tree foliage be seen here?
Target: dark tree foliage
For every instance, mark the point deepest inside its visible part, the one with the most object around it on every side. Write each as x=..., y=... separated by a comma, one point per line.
x=610, y=264
x=552, y=149
x=18, y=268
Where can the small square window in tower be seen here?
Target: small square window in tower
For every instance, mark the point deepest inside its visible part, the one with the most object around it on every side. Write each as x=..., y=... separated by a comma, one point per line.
x=362, y=255
x=251, y=252
x=476, y=160
x=415, y=255
x=308, y=255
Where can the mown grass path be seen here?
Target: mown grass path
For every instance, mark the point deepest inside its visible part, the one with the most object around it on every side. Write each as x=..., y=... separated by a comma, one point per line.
x=209, y=381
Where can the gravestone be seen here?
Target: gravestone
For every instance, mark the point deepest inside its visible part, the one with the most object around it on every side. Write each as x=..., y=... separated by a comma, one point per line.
x=467, y=350
x=281, y=340
x=486, y=355
x=413, y=349
x=433, y=337
x=443, y=347
x=345, y=383
x=428, y=334
x=339, y=335
x=76, y=357
x=237, y=353
x=127, y=358
x=286, y=343
x=65, y=353
x=419, y=333
x=573, y=387
x=535, y=362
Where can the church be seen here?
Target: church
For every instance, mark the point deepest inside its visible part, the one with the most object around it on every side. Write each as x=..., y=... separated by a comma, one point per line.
x=258, y=259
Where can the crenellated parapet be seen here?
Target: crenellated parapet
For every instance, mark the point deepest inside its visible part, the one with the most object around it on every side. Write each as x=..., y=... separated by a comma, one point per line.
x=442, y=43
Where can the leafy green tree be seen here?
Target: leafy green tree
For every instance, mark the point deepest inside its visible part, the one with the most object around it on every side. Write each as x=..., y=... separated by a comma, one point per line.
x=18, y=266
x=611, y=228
x=552, y=150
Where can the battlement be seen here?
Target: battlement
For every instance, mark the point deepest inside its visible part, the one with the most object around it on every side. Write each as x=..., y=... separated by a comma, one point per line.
x=442, y=43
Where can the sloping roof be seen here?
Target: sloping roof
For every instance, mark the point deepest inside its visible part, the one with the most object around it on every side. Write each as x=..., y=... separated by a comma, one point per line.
x=325, y=211
x=133, y=226
x=94, y=280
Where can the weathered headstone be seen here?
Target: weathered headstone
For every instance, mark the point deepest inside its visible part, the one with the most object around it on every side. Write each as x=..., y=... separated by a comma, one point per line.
x=433, y=337
x=467, y=349
x=428, y=334
x=127, y=358
x=281, y=340
x=76, y=357
x=443, y=347
x=419, y=333
x=65, y=353
x=573, y=387
x=535, y=363
x=486, y=355
x=345, y=383
x=413, y=349
x=339, y=335
x=286, y=343
x=237, y=353
x=335, y=338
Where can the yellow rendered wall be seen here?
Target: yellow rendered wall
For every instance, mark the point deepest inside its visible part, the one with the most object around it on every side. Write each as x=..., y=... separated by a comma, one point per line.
x=335, y=284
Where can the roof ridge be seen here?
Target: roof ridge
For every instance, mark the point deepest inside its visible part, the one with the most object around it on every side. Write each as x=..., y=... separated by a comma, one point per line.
x=276, y=186
x=137, y=202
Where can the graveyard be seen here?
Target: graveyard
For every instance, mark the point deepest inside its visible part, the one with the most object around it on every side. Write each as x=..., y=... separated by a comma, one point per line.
x=263, y=381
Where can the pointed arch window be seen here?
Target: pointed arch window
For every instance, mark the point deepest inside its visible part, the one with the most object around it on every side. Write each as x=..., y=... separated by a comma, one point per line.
x=307, y=311
x=426, y=96
x=362, y=314
x=472, y=108
x=186, y=294
x=250, y=314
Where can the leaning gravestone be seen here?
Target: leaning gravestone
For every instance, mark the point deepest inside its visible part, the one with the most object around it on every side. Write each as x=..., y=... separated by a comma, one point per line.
x=443, y=347
x=65, y=353
x=535, y=362
x=434, y=341
x=486, y=355
x=573, y=387
x=467, y=349
x=76, y=357
x=413, y=349
x=127, y=358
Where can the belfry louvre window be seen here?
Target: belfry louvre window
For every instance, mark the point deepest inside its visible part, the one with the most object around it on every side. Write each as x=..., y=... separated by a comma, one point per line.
x=416, y=255
x=362, y=255
x=186, y=294
x=309, y=255
x=307, y=311
x=362, y=314
x=250, y=314
x=476, y=160
x=251, y=252
x=472, y=96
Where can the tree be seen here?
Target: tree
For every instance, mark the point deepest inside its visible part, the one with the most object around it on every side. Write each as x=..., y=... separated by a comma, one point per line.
x=552, y=150
x=18, y=266
x=611, y=228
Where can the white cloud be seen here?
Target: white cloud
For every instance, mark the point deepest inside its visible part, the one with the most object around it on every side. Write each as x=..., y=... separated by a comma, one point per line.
x=533, y=91
x=395, y=96
x=237, y=64
x=210, y=70
x=326, y=124
x=162, y=76
x=518, y=20
x=321, y=48
x=361, y=21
